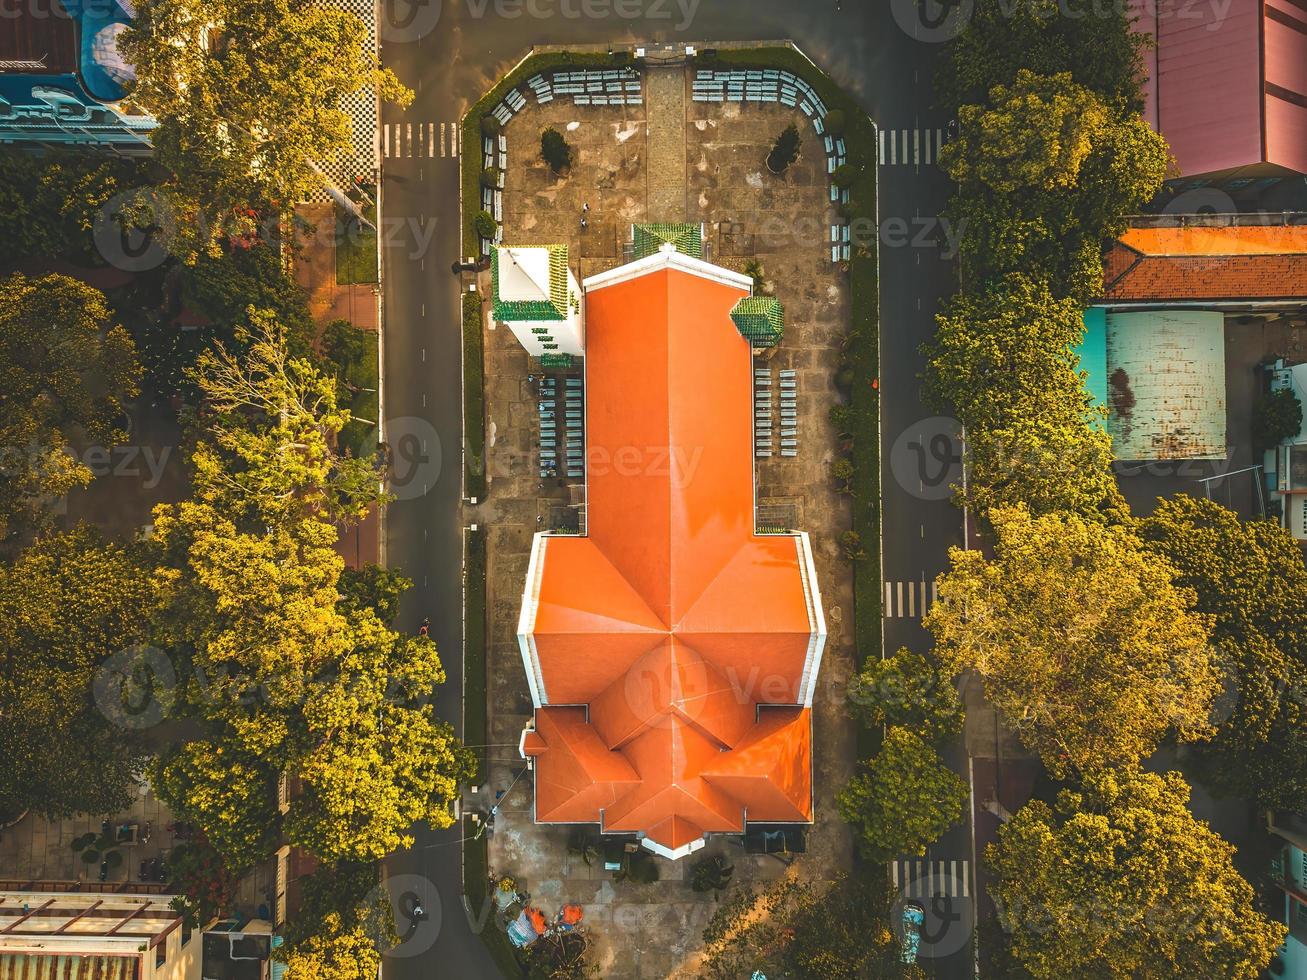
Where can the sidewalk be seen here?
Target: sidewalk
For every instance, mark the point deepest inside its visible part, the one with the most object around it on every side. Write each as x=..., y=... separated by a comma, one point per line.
x=315, y=271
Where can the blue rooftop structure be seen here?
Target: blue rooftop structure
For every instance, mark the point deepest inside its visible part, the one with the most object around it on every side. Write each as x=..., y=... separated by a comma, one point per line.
x=68, y=104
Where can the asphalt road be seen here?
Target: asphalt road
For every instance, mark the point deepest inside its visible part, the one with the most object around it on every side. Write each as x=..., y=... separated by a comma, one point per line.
x=450, y=54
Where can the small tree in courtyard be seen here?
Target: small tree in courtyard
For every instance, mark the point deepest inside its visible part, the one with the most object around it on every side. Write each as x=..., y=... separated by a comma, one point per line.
x=486, y=225
x=785, y=151
x=554, y=150
x=1276, y=417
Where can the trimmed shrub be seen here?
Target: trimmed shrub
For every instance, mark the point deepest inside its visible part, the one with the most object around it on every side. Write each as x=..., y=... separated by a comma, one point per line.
x=490, y=177
x=844, y=176
x=835, y=122
x=785, y=151
x=1276, y=417
x=486, y=224
x=490, y=126
x=554, y=150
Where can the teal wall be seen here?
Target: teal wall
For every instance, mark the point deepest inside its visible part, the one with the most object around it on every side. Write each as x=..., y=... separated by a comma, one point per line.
x=1092, y=352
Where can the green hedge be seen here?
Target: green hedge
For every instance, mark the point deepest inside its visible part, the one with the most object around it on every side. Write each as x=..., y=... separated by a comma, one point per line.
x=474, y=399
x=472, y=161
x=475, y=727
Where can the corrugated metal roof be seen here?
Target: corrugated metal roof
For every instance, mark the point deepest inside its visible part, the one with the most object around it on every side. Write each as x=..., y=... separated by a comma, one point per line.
x=1166, y=384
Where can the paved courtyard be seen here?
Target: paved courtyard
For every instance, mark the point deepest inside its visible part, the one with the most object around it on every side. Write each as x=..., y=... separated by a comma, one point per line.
x=655, y=930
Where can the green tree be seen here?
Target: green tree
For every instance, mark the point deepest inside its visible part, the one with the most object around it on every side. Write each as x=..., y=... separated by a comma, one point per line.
x=1251, y=579
x=555, y=151
x=834, y=930
x=907, y=690
x=67, y=374
x=1044, y=466
x=373, y=587
x=1002, y=359
x=1102, y=52
x=231, y=794
x=1035, y=133
x=1080, y=637
x=275, y=417
x=1276, y=417
x=376, y=761
x=67, y=604
x=1005, y=354
x=1120, y=880
x=785, y=150
x=1047, y=172
x=344, y=924
x=249, y=98
x=342, y=948
x=905, y=799
x=299, y=676
x=49, y=202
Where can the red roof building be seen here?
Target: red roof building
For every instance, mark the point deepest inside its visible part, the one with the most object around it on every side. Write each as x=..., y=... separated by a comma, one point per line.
x=1213, y=265
x=672, y=651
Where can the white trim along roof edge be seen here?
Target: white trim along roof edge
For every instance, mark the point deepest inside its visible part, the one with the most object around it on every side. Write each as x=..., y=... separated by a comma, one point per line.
x=668, y=258
x=526, y=622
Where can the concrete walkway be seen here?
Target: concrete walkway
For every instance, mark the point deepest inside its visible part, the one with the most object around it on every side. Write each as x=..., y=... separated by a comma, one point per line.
x=665, y=97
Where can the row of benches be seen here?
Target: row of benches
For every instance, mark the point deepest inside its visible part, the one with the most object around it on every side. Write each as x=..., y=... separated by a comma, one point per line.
x=607, y=87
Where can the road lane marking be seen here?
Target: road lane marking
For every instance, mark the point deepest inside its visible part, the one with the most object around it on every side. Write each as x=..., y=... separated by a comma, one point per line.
x=909, y=600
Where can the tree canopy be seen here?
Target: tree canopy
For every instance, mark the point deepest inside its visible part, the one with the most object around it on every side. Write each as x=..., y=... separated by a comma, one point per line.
x=904, y=800
x=344, y=924
x=293, y=676
x=67, y=604
x=248, y=95
x=66, y=374
x=1120, y=880
x=1081, y=638
x=1101, y=52
x=835, y=930
x=1002, y=358
x=1250, y=578
x=907, y=690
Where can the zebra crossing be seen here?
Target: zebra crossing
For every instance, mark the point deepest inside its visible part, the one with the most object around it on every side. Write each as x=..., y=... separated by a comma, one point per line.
x=909, y=600
x=930, y=879
x=429, y=140
x=910, y=146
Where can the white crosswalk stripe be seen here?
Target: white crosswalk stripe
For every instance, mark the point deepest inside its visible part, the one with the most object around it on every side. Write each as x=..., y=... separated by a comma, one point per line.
x=910, y=146
x=928, y=879
x=419, y=140
x=909, y=599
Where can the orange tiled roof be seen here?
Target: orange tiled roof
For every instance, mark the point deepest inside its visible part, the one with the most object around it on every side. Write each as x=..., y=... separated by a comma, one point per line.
x=672, y=651
x=1234, y=262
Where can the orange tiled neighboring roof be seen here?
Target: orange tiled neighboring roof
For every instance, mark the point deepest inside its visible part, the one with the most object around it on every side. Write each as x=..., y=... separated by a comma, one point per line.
x=659, y=643
x=1187, y=263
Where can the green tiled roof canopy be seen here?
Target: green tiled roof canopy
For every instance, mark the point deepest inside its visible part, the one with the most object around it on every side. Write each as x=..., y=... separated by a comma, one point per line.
x=760, y=320
x=686, y=239
x=555, y=308
x=556, y=360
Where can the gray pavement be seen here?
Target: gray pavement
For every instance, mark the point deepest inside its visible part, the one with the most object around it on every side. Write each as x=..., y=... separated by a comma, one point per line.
x=450, y=53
